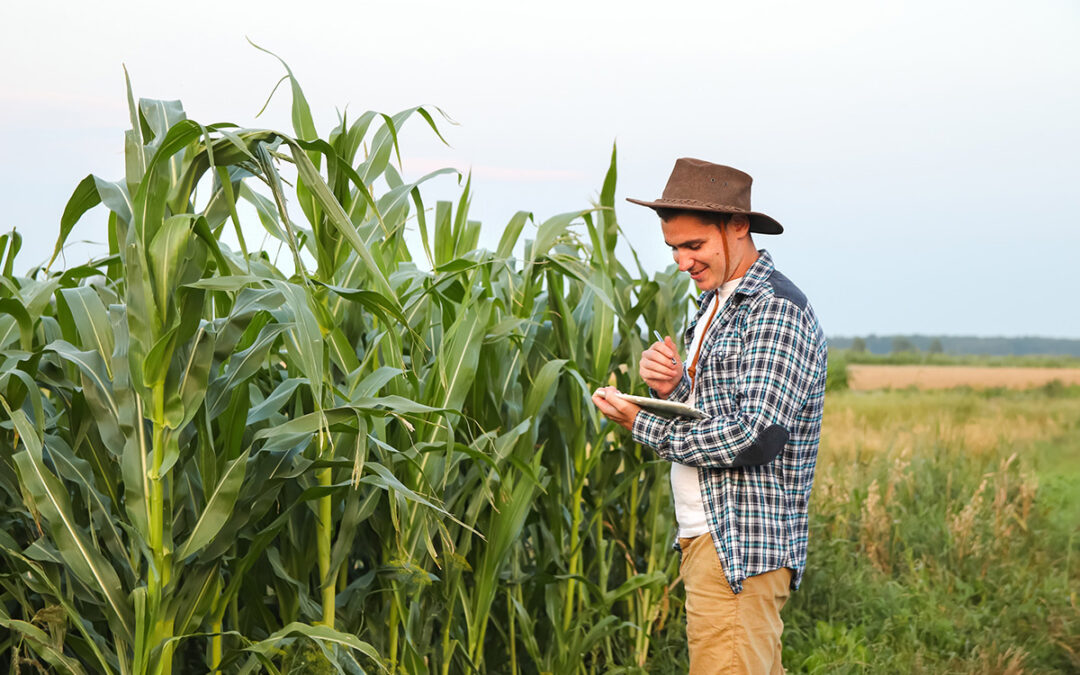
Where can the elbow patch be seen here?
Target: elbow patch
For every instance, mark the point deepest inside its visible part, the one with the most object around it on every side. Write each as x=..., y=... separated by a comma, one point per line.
x=765, y=447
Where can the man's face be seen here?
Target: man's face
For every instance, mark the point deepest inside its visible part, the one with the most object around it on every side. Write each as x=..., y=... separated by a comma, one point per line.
x=698, y=248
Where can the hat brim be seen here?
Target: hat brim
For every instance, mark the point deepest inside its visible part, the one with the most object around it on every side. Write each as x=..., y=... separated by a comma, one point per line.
x=759, y=222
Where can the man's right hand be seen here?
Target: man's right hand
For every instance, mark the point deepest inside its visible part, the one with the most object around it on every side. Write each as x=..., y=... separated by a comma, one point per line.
x=657, y=369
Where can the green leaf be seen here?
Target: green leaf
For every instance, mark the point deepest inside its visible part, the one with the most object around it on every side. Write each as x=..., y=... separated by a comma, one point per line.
x=376, y=303
x=231, y=283
x=37, y=573
x=320, y=633
x=78, y=471
x=15, y=309
x=91, y=320
x=97, y=383
x=304, y=339
x=197, y=593
x=388, y=481
x=550, y=230
x=265, y=208
x=51, y=499
x=13, y=243
x=303, y=124
x=459, y=354
x=161, y=116
x=155, y=365
x=273, y=403
x=190, y=382
x=594, y=280
x=322, y=419
x=375, y=381
x=42, y=644
x=165, y=253
x=219, y=507
x=242, y=366
x=116, y=198
x=342, y=353
x=543, y=387
x=84, y=198
x=340, y=219
x=511, y=233
x=657, y=578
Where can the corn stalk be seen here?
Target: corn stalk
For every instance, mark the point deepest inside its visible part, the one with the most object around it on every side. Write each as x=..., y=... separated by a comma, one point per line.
x=361, y=457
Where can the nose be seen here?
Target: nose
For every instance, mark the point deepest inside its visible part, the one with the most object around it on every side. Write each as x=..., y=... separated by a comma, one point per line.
x=683, y=260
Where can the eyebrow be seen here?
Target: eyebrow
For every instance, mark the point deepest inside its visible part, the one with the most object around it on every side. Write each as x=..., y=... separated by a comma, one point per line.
x=681, y=244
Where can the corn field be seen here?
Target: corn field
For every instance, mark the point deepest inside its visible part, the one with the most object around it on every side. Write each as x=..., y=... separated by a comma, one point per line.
x=367, y=459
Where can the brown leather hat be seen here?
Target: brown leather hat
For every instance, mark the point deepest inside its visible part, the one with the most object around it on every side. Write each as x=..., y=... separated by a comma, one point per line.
x=697, y=185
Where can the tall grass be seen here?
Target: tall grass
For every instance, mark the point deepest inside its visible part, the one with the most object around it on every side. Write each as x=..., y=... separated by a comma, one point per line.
x=944, y=536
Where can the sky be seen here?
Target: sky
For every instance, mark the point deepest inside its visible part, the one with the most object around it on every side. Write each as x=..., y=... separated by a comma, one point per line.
x=923, y=156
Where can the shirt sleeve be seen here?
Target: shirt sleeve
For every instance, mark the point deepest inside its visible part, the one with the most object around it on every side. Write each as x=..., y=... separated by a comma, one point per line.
x=778, y=371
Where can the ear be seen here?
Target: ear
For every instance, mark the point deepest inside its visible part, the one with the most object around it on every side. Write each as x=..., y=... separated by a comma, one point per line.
x=740, y=225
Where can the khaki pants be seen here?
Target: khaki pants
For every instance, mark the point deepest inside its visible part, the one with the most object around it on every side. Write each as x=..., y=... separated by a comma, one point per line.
x=728, y=632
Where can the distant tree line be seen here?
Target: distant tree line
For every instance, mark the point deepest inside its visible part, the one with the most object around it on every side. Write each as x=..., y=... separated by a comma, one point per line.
x=944, y=344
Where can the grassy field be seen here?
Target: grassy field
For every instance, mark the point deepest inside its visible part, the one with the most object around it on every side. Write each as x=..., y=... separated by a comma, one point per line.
x=944, y=535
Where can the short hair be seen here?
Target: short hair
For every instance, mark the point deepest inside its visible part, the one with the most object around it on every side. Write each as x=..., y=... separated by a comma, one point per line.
x=707, y=217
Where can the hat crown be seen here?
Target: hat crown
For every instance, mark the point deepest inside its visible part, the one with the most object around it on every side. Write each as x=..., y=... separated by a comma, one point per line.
x=700, y=181
x=697, y=185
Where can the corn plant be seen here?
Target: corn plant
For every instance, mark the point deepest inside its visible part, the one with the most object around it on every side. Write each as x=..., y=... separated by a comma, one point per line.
x=355, y=460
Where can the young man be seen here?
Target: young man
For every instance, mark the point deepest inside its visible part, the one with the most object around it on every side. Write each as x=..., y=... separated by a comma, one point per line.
x=741, y=478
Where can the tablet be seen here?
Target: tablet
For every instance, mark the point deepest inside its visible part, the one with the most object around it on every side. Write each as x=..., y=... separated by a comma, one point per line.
x=665, y=408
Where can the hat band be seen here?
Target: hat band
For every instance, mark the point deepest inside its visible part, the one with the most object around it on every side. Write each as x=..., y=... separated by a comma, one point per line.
x=698, y=202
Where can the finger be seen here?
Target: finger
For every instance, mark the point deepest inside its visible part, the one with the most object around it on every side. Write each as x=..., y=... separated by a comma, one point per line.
x=607, y=410
x=657, y=360
x=609, y=395
x=672, y=346
x=658, y=348
x=660, y=370
x=602, y=398
x=627, y=414
x=620, y=404
x=659, y=381
x=662, y=351
x=667, y=353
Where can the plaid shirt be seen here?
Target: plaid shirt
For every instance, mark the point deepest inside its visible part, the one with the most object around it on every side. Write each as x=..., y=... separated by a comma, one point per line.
x=761, y=380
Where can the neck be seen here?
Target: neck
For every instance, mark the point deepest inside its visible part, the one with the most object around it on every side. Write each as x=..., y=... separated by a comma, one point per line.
x=746, y=260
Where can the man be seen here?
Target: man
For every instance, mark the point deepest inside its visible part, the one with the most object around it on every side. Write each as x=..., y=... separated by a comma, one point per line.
x=740, y=478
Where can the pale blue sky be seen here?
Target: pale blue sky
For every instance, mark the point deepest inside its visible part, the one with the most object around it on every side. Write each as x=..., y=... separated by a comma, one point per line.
x=924, y=156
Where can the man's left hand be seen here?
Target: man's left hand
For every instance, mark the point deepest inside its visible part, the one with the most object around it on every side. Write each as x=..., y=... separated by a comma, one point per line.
x=615, y=407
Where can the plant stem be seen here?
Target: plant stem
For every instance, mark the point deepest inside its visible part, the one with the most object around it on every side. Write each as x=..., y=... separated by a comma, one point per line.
x=163, y=628
x=446, y=653
x=513, y=634
x=575, y=556
x=324, y=531
x=215, y=645
x=393, y=631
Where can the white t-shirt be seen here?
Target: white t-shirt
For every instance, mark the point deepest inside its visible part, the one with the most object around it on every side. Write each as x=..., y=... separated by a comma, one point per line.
x=689, y=504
